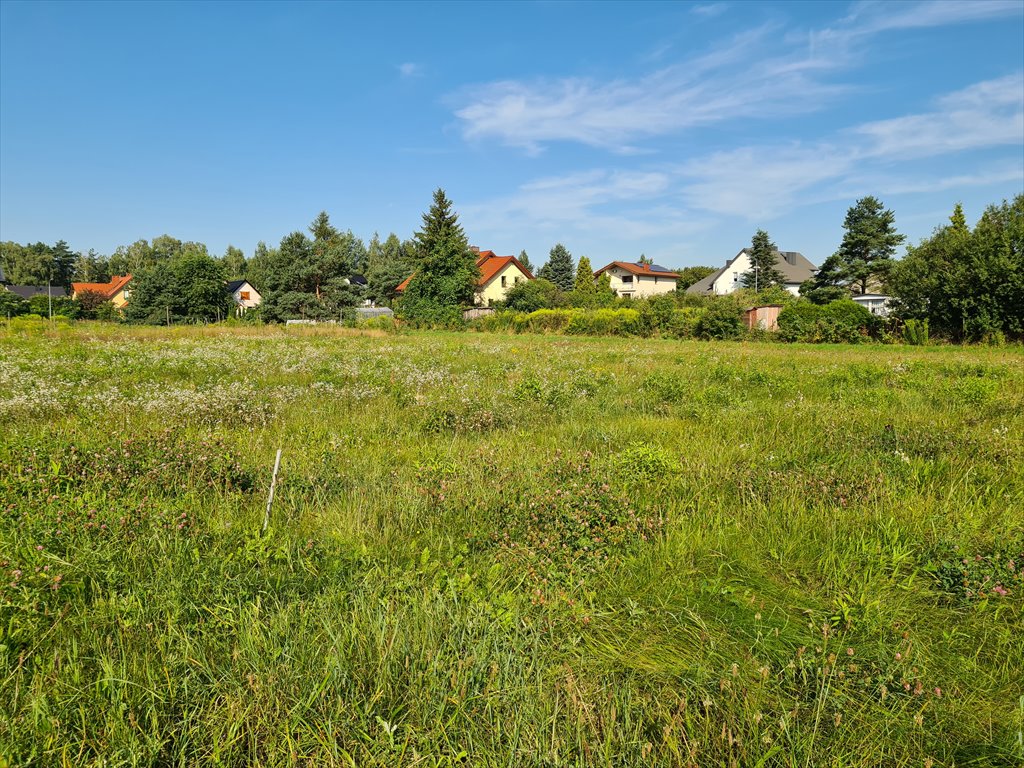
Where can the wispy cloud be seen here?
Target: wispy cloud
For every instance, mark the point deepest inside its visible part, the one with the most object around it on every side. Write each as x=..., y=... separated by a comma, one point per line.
x=760, y=183
x=410, y=69
x=987, y=114
x=765, y=181
x=611, y=205
x=701, y=91
x=876, y=16
x=758, y=74
x=709, y=10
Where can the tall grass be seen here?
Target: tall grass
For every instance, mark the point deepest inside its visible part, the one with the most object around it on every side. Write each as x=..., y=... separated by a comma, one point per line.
x=507, y=550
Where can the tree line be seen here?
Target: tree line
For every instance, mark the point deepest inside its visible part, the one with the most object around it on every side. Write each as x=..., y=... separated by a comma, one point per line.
x=965, y=283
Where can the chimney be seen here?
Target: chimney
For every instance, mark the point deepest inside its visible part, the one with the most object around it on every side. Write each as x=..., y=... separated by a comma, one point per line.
x=475, y=249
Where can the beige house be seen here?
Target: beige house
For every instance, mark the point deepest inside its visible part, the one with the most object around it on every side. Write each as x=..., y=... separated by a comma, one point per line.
x=497, y=275
x=244, y=294
x=639, y=280
x=116, y=291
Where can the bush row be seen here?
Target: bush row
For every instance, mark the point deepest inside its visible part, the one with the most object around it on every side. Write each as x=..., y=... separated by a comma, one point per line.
x=839, y=322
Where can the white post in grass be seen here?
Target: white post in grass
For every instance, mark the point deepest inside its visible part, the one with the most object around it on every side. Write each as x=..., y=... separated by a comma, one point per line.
x=273, y=484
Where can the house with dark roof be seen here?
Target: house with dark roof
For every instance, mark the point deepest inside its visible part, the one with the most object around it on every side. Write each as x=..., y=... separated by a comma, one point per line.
x=28, y=291
x=116, y=291
x=497, y=275
x=794, y=267
x=244, y=294
x=638, y=280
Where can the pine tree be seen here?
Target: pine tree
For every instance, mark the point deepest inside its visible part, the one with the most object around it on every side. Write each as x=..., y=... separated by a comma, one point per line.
x=764, y=271
x=559, y=269
x=869, y=243
x=446, y=274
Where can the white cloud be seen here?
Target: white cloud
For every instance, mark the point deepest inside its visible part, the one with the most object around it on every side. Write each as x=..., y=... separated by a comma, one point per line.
x=887, y=185
x=615, y=114
x=761, y=183
x=872, y=17
x=761, y=73
x=591, y=204
x=986, y=114
x=709, y=10
x=410, y=69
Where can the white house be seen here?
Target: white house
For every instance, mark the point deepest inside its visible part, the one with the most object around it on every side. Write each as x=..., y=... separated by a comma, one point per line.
x=639, y=280
x=877, y=303
x=245, y=295
x=793, y=266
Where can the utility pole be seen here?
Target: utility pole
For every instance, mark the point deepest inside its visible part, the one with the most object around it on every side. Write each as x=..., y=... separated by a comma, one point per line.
x=49, y=300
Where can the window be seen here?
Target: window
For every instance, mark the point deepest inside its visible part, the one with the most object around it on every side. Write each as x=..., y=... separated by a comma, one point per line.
x=516, y=279
x=627, y=278
x=244, y=295
x=655, y=280
x=504, y=281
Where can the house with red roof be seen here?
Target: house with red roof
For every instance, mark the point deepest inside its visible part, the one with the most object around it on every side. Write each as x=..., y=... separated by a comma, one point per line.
x=116, y=291
x=497, y=275
x=639, y=280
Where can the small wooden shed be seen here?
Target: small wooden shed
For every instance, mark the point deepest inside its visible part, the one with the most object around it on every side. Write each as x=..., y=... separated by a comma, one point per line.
x=765, y=317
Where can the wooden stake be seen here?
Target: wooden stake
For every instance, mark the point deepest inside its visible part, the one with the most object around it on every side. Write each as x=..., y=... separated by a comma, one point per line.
x=273, y=484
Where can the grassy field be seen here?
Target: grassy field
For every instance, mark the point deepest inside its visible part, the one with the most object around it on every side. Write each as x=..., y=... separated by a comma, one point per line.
x=490, y=550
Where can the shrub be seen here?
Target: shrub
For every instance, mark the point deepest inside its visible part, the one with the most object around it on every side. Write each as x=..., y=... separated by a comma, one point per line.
x=531, y=295
x=722, y=320
x=683, y=323
x=29, y=322
x=915, y=332
x=839, y=321
x=548, y=320
x=798, y=321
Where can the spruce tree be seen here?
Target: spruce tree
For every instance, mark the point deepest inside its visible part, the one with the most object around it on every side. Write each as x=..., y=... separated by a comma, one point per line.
x=446, y=274
x=525, y=261
x=764, y=271
x=559, y=269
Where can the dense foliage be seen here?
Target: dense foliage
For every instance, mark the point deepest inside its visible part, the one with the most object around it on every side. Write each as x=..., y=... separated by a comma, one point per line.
x=186, y=288
x=446, y=274
x=968, y=284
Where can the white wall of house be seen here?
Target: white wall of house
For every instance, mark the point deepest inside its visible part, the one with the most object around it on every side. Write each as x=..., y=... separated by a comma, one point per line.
x=247, y=297
x=732, y=278
x=876, y=303
x=625, y=283
x=499, y=284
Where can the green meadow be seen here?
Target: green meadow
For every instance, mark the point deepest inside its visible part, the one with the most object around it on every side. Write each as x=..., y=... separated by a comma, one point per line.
x=496, y=550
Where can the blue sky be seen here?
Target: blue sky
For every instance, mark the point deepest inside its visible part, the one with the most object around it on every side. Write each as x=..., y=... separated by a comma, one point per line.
x=671, y=129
